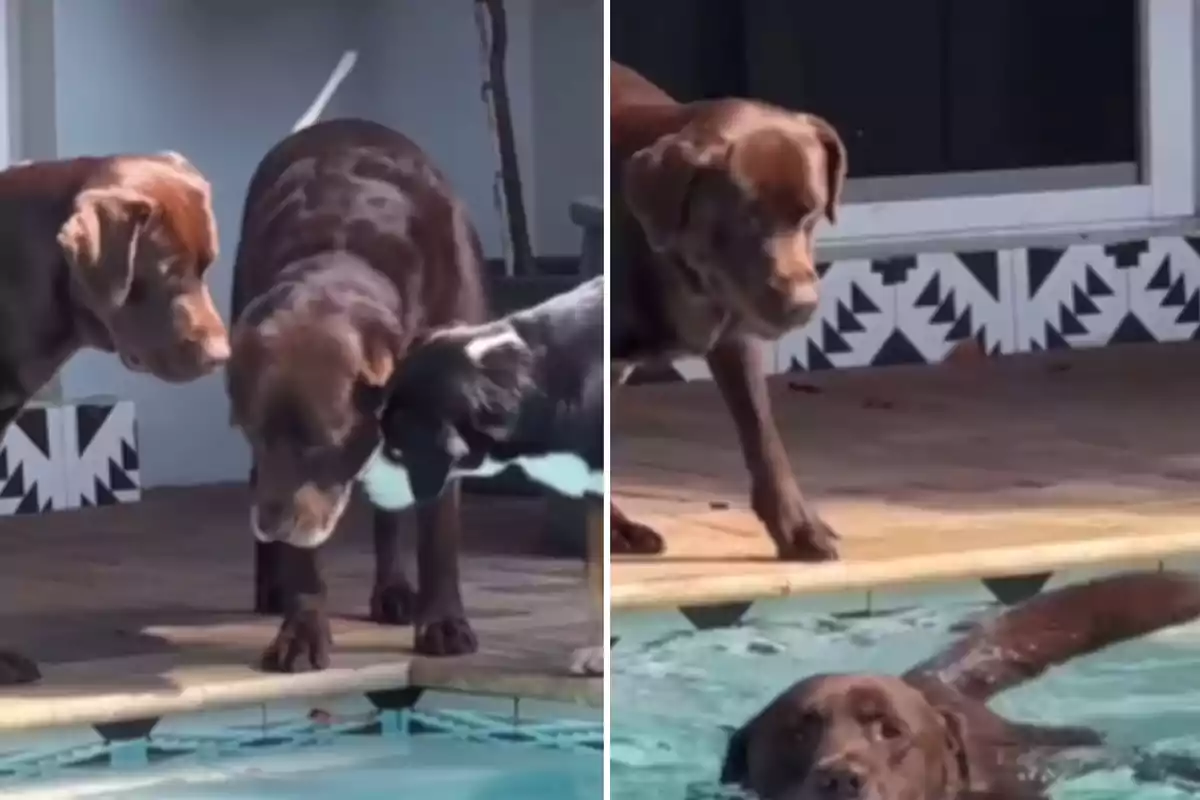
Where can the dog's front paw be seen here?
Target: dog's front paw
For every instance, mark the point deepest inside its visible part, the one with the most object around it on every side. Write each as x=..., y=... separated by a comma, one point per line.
x=16, y=669
x=630, y=538
x=303, y=643
x=799, y=535
x=588, y=662
x=393, y=604
x=450, y=635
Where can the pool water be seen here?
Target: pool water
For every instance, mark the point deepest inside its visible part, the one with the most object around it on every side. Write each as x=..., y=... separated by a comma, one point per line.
x=444, y=755
x=676, y=692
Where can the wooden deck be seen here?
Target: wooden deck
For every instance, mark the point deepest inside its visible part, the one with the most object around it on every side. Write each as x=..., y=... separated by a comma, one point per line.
x=141, y=611
x=969, y=469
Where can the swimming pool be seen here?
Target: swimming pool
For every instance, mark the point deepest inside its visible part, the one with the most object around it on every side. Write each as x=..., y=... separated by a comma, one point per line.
x=675, y=689
x=447, y=753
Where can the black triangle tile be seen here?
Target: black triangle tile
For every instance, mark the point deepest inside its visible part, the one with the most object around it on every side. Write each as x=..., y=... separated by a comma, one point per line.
x=1035, y=347
x=1081, y=304
x=822, y=267
x=84, y=502
x=129, y=457
x=847, y=322
x=3, y=465
x=1055, y=340
x=1095, y=285
x=833, y=344
x=118, y=479
x=947, y=313
x=931, y=295
x=962, y=327
x=1194, y=243
x=894, y=270
x=35, y=424
x=1176, y=296
x=897, y=349
x=104, y=497
x=1191, y=311
x=14, y=487
x=30, y=503
x=1042, y=261
x=658, y=374
x=816, y=359
x=860, y=302
x=1131, y=330
x=1069, y=324
x=89, y=419
x=984, y=265
x=48, y=506
x=1127, y=255
x=1161, y=279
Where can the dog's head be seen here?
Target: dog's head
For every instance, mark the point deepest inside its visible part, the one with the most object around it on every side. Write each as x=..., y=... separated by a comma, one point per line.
x=453, y=396
x=138, y=242
x=851, y=737
x=734, y=197
x=306, y=391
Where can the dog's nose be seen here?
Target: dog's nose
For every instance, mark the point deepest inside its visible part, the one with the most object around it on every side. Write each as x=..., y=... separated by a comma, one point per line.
x=839, y=782
x=792, y=305
x=214, y=350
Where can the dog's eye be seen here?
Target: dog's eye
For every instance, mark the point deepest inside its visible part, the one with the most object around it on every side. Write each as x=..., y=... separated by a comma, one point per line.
x=884, y=728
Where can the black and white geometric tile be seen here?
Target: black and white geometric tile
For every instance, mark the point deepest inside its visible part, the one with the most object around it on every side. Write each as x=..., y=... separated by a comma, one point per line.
x=950, y=298
x=100, y=452
x=855, y=319
x=32, y=480
x=1164, y=288
x=1072, y=297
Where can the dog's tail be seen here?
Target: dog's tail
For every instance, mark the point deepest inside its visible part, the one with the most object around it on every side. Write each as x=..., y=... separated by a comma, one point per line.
x=1050, y=629
x=314, y=112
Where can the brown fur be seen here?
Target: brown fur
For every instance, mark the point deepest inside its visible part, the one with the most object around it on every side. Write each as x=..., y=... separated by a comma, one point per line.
x=105, y=253
x=715, y=208
x=352, y=245
x=928, y=735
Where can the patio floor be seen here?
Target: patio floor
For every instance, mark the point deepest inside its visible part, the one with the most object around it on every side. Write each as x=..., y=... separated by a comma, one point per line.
x=976, y=468
x=141, y=610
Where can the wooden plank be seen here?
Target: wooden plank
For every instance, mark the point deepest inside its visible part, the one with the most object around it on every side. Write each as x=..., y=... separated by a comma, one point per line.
x=1020, y=464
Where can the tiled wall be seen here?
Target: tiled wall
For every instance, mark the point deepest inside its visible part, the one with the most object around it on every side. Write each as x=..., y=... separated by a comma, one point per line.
x=915, y=309
x=70, y=455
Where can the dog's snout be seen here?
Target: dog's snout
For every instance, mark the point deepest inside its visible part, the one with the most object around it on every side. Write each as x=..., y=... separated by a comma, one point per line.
x=839, y=782
x=790, y=305
x=214, y=350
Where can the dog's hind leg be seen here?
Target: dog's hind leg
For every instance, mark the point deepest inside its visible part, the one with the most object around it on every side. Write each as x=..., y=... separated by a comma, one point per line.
x=442, y=628
x=393, y=601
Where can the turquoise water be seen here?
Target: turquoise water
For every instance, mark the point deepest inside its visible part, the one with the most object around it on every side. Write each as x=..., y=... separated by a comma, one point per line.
x=362, y=755
x=676, y=690
x=441, y=769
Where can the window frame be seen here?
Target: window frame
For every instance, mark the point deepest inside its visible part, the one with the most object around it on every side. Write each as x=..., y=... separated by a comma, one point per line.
x=1168, y=163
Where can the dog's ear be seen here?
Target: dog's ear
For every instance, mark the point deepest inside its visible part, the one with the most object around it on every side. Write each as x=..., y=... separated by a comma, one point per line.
x=379, y=347
x=100, y=241
x=836, y=165
x=504, y=364
x=958, y=756
x=735, y=770
x=657, y=181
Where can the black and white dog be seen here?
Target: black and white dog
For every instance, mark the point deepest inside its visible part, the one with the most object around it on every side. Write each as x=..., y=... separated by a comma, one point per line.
x=525, y=390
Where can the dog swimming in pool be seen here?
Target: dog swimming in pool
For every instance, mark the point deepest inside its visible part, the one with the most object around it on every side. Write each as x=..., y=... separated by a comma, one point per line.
x=526, y=390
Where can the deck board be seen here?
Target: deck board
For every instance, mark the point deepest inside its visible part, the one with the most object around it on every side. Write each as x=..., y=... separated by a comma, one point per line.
x=966, y=470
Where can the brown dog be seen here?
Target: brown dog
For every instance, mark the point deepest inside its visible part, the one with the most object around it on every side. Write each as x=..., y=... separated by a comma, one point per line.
x=928, y=735
x=352, y=245
x=107, y=253
x=715, y=207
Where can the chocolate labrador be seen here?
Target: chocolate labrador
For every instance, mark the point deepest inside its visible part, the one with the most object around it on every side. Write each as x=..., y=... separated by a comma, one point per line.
x=353, y=244
x=715, y=206
x=928, y=734
x=110, y=254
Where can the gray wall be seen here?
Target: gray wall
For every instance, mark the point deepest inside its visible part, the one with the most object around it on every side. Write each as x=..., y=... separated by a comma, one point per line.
x=222, y=80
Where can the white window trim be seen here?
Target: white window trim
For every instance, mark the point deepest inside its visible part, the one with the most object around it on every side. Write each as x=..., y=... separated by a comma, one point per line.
x=1168, y=164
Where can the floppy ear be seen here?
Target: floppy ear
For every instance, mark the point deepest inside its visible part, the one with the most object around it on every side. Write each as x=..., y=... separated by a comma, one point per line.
x=505, y=365
x=736, y=767
x=100, y=240
x=836, y=164
x=656, y=183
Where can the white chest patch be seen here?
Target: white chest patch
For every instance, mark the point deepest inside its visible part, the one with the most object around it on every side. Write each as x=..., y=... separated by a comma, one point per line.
x=388, y=484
